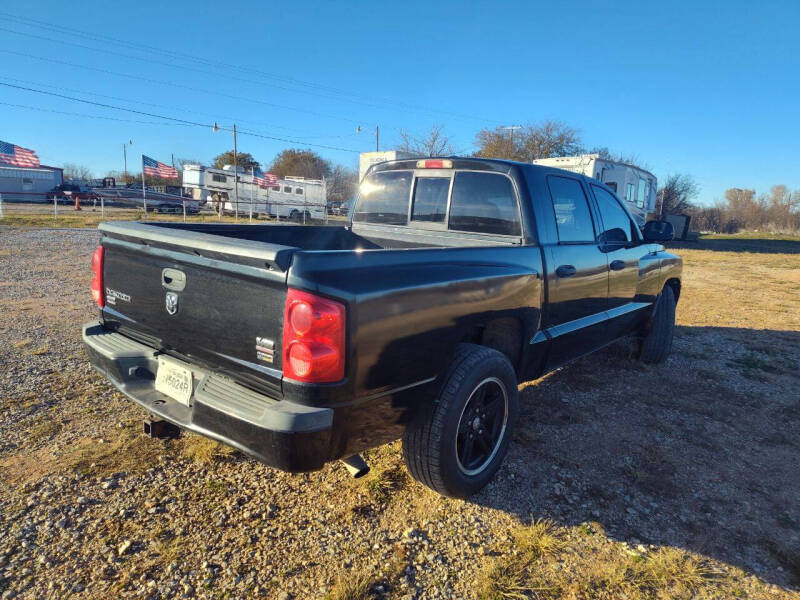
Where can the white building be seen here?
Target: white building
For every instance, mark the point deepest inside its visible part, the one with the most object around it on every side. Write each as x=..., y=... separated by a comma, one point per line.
x=28, y=183
x=367, y=159
x=631, y=183
x=291, y=197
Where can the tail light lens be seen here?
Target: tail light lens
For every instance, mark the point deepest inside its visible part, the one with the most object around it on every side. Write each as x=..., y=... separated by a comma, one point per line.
x=98, y=293
x=313, y=338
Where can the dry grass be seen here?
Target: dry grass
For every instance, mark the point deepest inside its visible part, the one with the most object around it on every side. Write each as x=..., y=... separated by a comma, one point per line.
x=202, y=449
x=352, y=586
x=540, y=539
x=545, y=567
x=44, y=430
x=131, y=452
x=22, y=343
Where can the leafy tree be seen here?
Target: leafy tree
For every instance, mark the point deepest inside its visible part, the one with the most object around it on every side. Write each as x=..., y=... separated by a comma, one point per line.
x=79, y=172
x=433, y=143
x=342, y=184
x=300, y=163
x=540, y=140
x=676, y=194
x=243, y=159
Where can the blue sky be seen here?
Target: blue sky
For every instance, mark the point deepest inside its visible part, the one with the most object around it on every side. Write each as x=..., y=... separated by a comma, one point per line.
x=711, y=89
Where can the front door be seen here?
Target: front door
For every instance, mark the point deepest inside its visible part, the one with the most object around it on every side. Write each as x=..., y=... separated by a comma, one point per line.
x=577, y=276
x=620, y=242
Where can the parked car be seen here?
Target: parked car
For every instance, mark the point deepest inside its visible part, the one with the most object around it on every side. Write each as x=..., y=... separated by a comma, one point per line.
x=66, y=193
x=453, y=281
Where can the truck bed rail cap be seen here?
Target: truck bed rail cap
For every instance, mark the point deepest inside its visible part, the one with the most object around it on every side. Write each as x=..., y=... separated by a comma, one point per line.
x=274, y=254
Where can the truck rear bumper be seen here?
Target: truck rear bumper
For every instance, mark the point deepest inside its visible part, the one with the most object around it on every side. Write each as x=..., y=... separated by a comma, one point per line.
x=282, y=434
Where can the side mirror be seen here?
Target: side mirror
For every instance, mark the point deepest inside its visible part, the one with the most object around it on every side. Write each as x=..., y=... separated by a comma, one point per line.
x=616, y=235
x=658, y=231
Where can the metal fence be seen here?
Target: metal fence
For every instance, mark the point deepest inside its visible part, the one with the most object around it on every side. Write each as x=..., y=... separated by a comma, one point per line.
x=63, y=212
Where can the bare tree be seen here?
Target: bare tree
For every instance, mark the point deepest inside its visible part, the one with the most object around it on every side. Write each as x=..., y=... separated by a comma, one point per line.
x=341, y=184
x=541, y=140
x=676, y=194
x=433, y=143
x=630, y=159
x=79, y=172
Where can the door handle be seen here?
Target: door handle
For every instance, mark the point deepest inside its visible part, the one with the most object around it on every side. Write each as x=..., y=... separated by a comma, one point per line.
x=566, y=271
x=617, y=265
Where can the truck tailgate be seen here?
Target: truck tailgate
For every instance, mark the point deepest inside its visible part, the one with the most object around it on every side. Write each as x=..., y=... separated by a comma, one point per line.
x=212, y=300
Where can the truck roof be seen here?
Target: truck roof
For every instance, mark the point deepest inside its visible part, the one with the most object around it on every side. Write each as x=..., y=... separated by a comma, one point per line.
x=493, y=164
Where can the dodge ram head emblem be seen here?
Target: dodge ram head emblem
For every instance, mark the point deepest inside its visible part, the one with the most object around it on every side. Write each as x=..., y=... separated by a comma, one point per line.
x=171, y=302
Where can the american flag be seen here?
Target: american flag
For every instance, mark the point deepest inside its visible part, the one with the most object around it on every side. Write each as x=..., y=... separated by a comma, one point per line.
x=264, y=179
x=17, y=156
x=158, y=169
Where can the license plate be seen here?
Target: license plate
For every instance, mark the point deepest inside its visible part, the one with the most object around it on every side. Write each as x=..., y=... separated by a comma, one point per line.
x=174, y=381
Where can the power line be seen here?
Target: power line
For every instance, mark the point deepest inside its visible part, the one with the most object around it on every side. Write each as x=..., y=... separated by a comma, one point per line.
x=179, y=85
x=174, y=119
x=215, y=117
x=73, y=114
x=348, y=95
x=150, y=60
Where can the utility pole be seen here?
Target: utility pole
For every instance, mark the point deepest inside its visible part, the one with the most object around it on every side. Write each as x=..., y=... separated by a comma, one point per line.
x=216, y=128
x=511, y=129
x=235, y=175
x=125, y=160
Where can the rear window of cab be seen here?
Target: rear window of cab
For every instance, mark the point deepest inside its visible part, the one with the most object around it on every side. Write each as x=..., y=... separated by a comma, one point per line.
x=470, y=201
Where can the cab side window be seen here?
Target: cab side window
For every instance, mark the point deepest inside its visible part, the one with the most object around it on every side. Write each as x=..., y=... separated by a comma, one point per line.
x=573, y=219
x=617, y=225
x=484, y=203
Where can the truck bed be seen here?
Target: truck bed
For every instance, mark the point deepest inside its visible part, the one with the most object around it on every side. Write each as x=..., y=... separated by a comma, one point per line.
x=236, y=280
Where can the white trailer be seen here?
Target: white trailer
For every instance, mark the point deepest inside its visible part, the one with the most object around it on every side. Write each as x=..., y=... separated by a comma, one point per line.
x=291, y=197
x=636, y=186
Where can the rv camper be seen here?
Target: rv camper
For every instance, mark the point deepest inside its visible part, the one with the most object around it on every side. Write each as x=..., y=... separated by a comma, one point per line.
x=632, y=184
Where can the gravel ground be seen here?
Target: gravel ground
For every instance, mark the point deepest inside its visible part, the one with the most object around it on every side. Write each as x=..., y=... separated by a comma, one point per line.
x=700, y=454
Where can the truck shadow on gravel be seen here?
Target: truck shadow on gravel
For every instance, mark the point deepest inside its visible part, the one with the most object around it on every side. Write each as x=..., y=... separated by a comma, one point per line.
x=699, y=453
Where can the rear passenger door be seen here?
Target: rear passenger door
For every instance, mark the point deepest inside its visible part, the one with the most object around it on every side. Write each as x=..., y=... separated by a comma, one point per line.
x=577, y=275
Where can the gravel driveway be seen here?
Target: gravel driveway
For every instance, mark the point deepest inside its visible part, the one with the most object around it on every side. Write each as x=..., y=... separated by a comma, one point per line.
x=701, y=454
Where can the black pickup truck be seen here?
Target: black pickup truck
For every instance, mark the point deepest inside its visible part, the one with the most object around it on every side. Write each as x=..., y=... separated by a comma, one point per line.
x=454, y=280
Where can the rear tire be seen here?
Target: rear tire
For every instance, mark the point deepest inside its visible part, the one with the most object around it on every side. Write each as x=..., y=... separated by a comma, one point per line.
x=656, y=345
x=456, y=444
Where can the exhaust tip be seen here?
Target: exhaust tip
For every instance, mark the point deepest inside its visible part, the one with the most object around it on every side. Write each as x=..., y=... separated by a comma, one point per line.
x=356, y=466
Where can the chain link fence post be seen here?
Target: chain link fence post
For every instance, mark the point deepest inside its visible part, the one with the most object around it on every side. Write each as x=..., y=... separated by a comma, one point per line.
x=2, y=216
x=55, y=206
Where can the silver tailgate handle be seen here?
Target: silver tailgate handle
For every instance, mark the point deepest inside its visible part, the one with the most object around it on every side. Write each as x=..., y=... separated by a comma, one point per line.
x=173, y=279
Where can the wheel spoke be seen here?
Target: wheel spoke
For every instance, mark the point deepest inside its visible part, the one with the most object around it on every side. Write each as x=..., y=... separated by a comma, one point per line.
x=494, y=405
x=484, y=441
x=466, y=451
x=496, y=428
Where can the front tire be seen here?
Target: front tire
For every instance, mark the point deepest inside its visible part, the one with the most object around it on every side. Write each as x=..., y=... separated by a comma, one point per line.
x=656, y=345
x=456, y=445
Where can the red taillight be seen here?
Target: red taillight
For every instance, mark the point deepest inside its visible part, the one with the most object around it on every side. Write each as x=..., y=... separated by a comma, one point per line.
x=435, y=163
x=313, y=338
x=98, y=295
